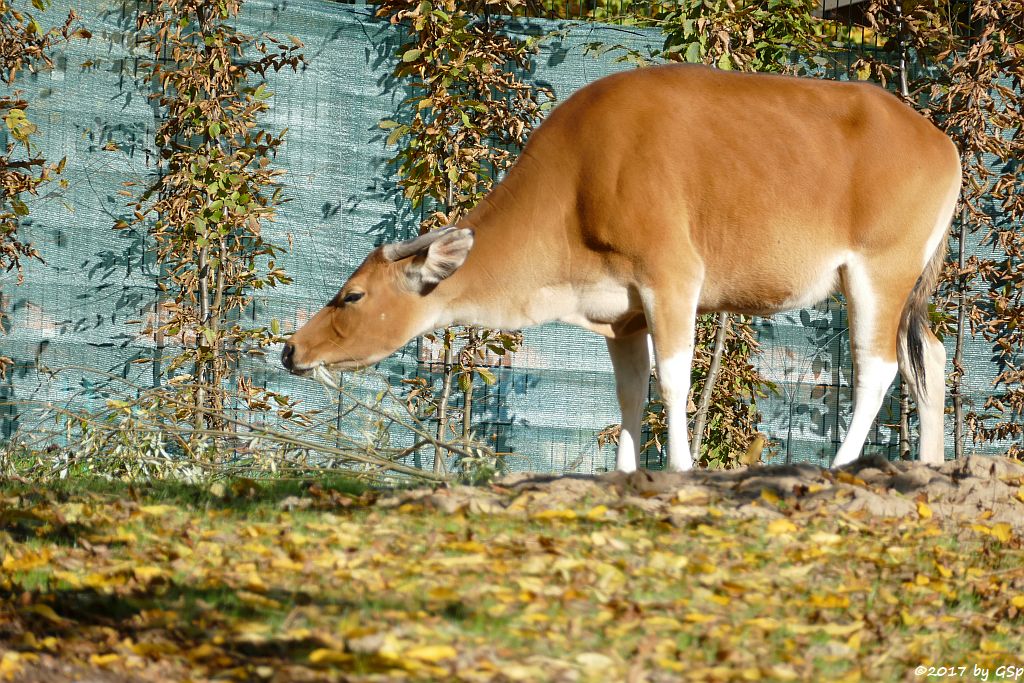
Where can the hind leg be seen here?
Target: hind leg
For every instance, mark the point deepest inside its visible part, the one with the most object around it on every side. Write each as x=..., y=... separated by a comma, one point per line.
x=930, y=395
x=632, y=363
x=671, y=314
x=874, y=308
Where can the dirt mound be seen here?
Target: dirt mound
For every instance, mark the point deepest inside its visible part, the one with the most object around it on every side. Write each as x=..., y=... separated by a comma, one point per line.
x=985, y=488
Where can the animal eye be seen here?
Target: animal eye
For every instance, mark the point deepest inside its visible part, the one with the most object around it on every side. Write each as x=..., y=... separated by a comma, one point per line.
x=353, y=297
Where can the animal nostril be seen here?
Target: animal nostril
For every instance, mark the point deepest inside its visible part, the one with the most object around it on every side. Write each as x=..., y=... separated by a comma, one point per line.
x=287, y=354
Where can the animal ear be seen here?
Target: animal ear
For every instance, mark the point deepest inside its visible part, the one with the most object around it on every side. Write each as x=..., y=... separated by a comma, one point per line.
x=442, y=258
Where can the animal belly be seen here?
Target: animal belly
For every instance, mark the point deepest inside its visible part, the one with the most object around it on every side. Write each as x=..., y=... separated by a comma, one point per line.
x=608, y=309
x=766, y=294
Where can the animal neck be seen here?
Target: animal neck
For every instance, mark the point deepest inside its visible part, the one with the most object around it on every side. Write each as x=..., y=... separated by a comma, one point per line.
x=519, y=256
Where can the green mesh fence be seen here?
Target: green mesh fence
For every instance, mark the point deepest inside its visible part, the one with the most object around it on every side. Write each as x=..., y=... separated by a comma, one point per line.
x=82, y=307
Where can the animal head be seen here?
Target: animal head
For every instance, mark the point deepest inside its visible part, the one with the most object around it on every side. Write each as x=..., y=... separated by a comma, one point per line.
x=390, y=298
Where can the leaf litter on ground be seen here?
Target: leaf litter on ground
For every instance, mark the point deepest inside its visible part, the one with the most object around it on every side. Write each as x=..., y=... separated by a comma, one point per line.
x=765, y=573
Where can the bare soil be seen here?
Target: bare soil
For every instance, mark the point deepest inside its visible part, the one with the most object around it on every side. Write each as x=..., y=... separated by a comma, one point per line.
x=976, y=488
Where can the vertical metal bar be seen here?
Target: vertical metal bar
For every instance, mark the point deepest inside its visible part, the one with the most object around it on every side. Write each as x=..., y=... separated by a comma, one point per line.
x=961, y=321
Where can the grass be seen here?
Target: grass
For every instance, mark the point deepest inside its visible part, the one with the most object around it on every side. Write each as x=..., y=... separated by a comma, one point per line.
x=277, y=581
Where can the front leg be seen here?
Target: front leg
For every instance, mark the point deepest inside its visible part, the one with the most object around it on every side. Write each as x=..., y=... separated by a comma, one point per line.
x=632, y=364
x=672, y=317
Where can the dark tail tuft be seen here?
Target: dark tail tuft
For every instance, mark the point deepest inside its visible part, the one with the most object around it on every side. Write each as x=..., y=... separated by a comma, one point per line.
x=914, y=323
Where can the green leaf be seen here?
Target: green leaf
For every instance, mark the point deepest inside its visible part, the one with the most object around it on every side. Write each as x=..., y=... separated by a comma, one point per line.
x=395, y=134
x=487, y=376
x=388, y=124
x=693, y=53
x=275, y=326
x=412, y=55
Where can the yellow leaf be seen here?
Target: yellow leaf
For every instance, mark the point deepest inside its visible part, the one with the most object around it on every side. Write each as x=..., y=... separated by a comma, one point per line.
x=713, y=532
x=46, y=612
x=825, y=538
x=157, y=510
x=699, y=617
x=1017, y=601
x=203, y=651
x=987, y=645
x=1001, y=531
x=691, y=496
x=12, y=662
x=1020, y=493
x=104, y=660
x=555, y=514
x=467, y=546
x=783, y=672
x=325, y=655
x=69, y=578
x=258, y=600
x=843, y=629
x=673, y=665
x=781, y=526
x=597, y=512
x=944, y=571
x=763, y=623
x=907, y=618
x=923, y=511
x=847, y=478
x=658, y=621
x=155, y=649
x=830, y=601
x=432, y=653
x=254, y=582
x=145, y=574
x=105, y=580
x=769, y=496
x=27, y=561
x=525, y=673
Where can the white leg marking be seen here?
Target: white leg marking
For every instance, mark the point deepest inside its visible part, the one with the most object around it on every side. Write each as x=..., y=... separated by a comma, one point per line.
x=871, y=382
x=632, y=363
x=674, y=381
x=672, y=317
x=930, y=399
x=872, y=373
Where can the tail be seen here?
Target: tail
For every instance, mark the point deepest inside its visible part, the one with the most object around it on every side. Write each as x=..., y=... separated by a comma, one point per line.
x=915, y=324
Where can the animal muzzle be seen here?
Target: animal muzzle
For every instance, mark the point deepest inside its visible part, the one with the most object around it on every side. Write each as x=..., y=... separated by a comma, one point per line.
x=288, y=357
